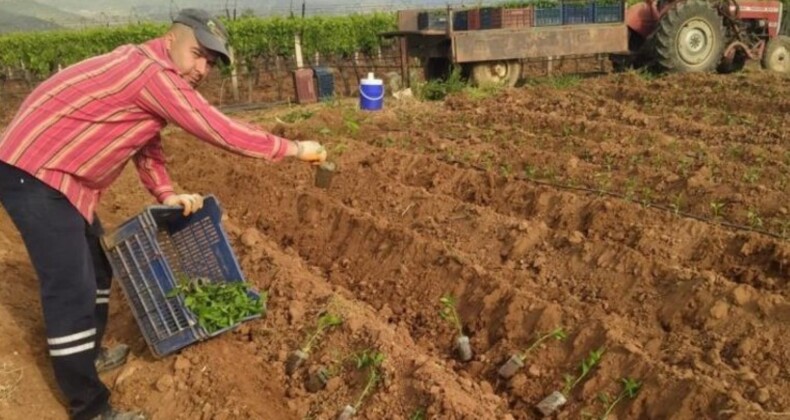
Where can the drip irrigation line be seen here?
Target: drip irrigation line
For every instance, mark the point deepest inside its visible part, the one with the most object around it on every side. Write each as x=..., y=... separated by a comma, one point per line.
x=623, y=197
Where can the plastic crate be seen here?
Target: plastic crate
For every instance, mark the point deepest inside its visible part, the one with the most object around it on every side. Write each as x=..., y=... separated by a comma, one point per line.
x=577, y=12
x=324, y=83
x=517, y=18
x=490, y=18
x=461, y=20
x=608, y=12
x=473, y=23
x=435, y=20
x=548, y=16
x=150, y=250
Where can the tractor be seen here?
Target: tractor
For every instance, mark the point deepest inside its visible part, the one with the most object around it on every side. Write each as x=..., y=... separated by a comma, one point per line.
x=702, y=36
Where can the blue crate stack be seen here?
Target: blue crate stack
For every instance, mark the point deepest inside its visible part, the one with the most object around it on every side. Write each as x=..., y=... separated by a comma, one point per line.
x=548, y=15
x=324, y=82
x=149, y=252
x=608, y=12
x=577, y=12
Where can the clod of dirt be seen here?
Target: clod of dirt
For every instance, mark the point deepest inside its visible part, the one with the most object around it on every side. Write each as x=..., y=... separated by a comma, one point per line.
x=719, y=310
x=742, y=294
x=164, y=383
x=181, y=363
x=250, y=237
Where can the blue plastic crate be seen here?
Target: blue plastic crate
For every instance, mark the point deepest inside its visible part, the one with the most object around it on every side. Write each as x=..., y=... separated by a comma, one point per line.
x=577, y=13
x=548, y=16
x=150, y=250
x=608, y=13
x=461, y=20
x=324, y=82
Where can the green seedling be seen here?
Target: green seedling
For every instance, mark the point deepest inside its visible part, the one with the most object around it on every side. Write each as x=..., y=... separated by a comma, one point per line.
x=450, y=313
x=217, y=305
x=592, y=360
x=557, y=399
x=517, y=360
x=715, y=208
x=318, y=380
x=630, y=388
x=325, y=322
x=370, y=361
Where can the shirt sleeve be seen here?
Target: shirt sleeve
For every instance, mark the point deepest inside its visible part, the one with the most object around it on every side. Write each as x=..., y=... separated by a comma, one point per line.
x=169, y=96
x=150, y=163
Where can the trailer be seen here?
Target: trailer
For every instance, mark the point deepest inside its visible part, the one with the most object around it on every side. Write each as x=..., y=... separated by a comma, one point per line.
x=492, y=50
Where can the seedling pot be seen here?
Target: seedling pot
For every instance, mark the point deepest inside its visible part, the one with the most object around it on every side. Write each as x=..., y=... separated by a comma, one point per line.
x=550, y=404
x=464, y=348
x=323, y=175
x=317, y=381
x=347, y=413
x=295, y=360
x=511, y=366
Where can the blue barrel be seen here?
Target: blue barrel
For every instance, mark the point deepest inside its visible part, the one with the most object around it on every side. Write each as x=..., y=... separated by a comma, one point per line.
x=371, y=93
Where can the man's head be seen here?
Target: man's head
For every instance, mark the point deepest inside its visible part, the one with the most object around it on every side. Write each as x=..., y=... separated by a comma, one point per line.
x=195, y=42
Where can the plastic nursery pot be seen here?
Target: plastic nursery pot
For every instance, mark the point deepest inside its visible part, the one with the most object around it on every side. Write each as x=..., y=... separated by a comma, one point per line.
x=550, y=404
x=323, y=175
x=464, y=348
x=510, y=367
x=317, y=381
x=295, y=360
x=347, y=413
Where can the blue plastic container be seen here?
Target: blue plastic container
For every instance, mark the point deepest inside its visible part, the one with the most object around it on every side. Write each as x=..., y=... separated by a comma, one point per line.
x=371, y=93
x=608, y=13
x=577, y=13
x=149, y=251
x=548, y=16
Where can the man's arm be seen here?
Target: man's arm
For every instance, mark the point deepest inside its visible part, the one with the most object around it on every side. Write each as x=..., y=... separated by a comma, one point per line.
x=150, y=163
x=168, y=95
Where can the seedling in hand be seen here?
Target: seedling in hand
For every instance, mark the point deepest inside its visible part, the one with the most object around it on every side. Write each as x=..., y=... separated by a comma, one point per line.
x=370, y=360
x=631, y=387
x=516, y=361
x=450, y=313
x=557, y=399
x=298, y=357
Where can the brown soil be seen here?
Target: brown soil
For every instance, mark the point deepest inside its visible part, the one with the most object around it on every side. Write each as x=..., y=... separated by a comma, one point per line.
x=604, y=206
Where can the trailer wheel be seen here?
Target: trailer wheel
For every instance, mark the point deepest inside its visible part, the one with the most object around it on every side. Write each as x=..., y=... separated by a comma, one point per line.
x=496, y=72
x=777, y=55
x=690, y=37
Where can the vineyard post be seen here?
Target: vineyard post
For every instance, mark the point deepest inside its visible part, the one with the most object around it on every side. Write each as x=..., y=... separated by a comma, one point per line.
x=234, y=77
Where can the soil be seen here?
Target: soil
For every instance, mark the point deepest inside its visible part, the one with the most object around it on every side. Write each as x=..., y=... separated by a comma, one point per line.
x=646, y=215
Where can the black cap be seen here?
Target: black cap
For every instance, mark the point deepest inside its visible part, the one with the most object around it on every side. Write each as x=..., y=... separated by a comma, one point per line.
x=209, y=31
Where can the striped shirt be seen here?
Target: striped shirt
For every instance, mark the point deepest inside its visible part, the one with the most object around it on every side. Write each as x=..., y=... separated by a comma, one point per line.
x=77, y=130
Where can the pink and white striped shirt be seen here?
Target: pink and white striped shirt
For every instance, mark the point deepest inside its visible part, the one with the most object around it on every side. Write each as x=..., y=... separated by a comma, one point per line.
x=78, y=129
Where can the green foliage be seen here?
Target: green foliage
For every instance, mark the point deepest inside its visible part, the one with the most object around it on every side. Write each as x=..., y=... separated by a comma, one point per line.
x=370, y=360
x=631, y=387
x=592, y=360
x=325, y=322
x=449, y=312
x=218, y=305
x=251, y=38
x=558, y=334
x=436, y=90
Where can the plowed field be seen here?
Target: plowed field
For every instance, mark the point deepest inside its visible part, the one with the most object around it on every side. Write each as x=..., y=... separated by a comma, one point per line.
x=647, y=216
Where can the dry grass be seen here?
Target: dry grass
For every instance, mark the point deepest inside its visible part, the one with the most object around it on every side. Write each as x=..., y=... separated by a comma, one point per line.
x=10, y=377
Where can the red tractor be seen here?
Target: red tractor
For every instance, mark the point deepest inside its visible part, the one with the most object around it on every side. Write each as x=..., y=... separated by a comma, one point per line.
x=700, y=35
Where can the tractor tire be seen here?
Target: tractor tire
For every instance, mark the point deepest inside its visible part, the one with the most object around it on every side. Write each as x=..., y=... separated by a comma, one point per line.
x=776, y=56
x=436, y=68
x=505, y=72
x=689, y=38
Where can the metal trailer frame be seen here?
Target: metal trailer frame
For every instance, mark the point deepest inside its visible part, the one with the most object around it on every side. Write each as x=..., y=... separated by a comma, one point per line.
x=476, y=46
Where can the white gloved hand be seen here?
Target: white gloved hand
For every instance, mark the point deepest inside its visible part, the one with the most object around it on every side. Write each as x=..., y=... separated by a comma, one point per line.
x=190, y=202
x=310, y=151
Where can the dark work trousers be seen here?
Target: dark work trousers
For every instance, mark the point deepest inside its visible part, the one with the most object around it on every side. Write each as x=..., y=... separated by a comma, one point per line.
x=74, y=277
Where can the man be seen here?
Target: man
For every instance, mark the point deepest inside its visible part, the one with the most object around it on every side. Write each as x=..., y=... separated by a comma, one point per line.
x=70, y=140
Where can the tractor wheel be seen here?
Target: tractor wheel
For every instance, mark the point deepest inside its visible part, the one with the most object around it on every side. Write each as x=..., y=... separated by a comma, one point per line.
x=690, y=37
x=777, y=55
x=505, y=72
x=436, y=68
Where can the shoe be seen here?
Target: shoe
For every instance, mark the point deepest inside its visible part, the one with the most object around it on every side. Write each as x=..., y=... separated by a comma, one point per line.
x=112, y=414
x=112, y=358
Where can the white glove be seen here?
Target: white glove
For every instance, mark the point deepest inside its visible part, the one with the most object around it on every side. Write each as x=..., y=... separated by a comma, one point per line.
x=190, y=202
x=310, y=151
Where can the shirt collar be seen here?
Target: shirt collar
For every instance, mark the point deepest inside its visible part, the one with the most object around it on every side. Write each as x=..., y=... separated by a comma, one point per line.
x=156, y=50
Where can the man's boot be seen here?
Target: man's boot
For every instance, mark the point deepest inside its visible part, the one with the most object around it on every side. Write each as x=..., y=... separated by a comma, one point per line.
x=111, y=358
